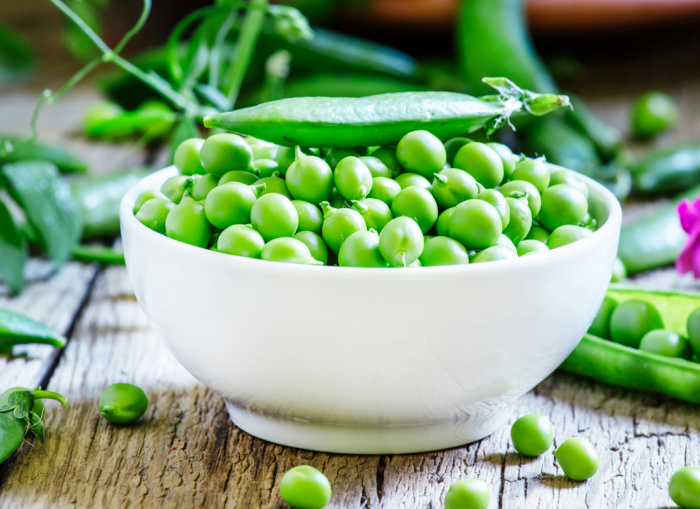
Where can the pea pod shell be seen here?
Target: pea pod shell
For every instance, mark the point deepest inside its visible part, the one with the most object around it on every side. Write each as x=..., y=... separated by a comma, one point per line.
x=18, y=329
x=668, y=170
x=11, y=435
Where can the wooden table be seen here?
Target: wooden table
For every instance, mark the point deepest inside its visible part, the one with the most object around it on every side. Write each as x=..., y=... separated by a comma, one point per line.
x=186, y=453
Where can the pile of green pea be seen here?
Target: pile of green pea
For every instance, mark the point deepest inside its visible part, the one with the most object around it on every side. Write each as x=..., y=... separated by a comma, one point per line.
x=638, y=324
x=421, y=203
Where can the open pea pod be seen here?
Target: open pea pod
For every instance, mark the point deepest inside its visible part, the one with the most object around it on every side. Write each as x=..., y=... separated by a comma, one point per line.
x=612, y=363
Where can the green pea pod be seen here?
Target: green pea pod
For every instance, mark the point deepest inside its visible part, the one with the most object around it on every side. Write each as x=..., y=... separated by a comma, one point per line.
x=668, y=170
x=606, y=139
x=14, y=149
x=98, y=198
x=346, y=85
x=382, y=119
x=99, y=254
x=656, y=239
x=11, y=435
x=17, y=329
x=616, y=364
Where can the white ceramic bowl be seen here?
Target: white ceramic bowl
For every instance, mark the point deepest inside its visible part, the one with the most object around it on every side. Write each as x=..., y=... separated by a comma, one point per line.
x=369, y=361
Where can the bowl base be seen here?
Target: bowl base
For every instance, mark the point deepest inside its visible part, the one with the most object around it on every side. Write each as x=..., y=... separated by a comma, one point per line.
x=354, y=439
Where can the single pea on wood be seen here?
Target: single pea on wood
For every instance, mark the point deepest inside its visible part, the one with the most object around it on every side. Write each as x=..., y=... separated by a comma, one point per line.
x=123, y=403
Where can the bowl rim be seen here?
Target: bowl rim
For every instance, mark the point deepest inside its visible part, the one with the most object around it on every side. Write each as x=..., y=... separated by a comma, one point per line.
x=129, y=222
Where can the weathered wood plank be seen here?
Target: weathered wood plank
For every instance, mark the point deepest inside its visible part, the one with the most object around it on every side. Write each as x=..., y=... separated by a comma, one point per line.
x=185, y=453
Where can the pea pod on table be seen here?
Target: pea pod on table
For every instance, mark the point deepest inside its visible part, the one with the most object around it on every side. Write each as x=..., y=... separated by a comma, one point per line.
x=17, y=329
x=616, y=364
x=668, y=170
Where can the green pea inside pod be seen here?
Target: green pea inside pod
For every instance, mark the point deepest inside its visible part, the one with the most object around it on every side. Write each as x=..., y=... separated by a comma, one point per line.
x=567, y=234
x=275, y=185
x=493, y=254
x=413, y=179
x=666, y=343
x=376, y=167
x=339, y=224
x=499, y=202
x=352, y=179
x=443, y=251
x=421, y=152
x=288, y=250
x=174, y=188
x=154, y=214
x=476, y=224
x=361, y=249
x=452, y=186
x=187, y=222
x=375, y=212
x=231, y=204
x=534, y=171
x=631, y=320
x=528, y=247
x=523, y=189
x=387, y=155
x=243, y=177
x=265, y=167
x=335, y=155
x=221, y=153
x=240, y=240
x=309, y=178
x=418, y=204
x=149, y=194
x=401, y=242
x=186, y=157
x=520, y=220
x=693, y=328
x=481, y=162
x=316, y=245
x=123, y=403
x=202, y=185
x=562, y=205
x=274, y=216
x=310, y=216
x=384, y=189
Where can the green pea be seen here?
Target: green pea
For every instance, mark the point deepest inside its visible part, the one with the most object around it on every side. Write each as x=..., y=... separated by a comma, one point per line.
x=188, y=223
x=275, y=185
x=352, y=179
x=652, y=114
x=504, y=241
x=421, y=152
x=154, y=213
x=418, y=204
x=240, y=240
x=601, y=323
x=566, y=235
x=494, y=254
x=304, y=487
x=520, y=189
x=443, y=251
x=376, y=167
x=443, y=223
x=122, y=403
x=631, y=320
x=453, y=145
x=499, y=202
x=265, y=167
x=361, y=249
x=149, y=194
x=468, y=494
x=481, y=162
x=537, y=233
x=310, y=216
x=520, y=220
x=201, y=186
x=315, y=243
x=255, y=143
x=335, y=155
x=619, y=271
x=508, y=159
x=570, y=178
x=526, y=247
x=401, y=242
x=387, y=155
x=532, y=435
x=229, y=204
x=452, y=186
x=577, y=458
x=174, y=188
x=413, y=179
x=266, y=152
x=375, y=212
x=693, y=325
x=684, y=487
x=339, y=224
x=225, y=152
x=242, y=177
x=285, y=157
x=561, y=205
x=274, y=216
x=186, y=157
x=534, y=171
x=338, y=201
x=309, y=178
x=384, y=189
x=666, y=343
x=287, y=250
x=476, y=224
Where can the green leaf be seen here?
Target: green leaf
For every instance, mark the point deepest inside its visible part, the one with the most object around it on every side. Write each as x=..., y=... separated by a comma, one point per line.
x=48, y=204
x=22, y=402
x=14, y=149
x=18, y=58
x=13, y=251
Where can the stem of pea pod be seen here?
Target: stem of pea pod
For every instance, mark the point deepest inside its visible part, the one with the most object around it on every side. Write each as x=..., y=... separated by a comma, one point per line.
x=40, y=394
x=240, y=61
